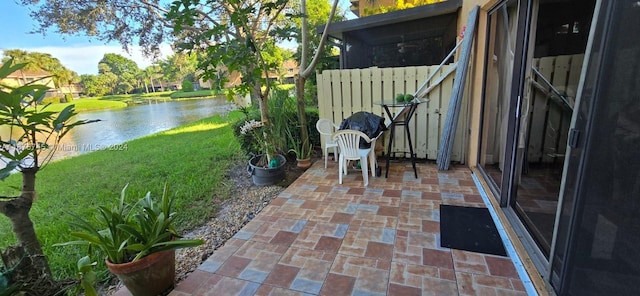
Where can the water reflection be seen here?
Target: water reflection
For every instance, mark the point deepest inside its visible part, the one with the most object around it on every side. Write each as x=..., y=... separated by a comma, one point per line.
x=121, y=125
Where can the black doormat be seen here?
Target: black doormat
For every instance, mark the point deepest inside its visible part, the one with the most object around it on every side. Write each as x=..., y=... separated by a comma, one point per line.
x=470, y=229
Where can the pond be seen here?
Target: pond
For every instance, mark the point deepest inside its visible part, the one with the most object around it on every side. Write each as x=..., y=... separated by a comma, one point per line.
x=120, y=125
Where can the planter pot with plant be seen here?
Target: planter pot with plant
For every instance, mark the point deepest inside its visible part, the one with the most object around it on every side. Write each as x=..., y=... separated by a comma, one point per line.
x=139, y=242
x=303, y=156
x=266, y=168
x=303, y=152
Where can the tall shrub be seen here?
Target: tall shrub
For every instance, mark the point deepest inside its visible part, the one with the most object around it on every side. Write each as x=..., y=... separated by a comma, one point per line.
x=187, y=86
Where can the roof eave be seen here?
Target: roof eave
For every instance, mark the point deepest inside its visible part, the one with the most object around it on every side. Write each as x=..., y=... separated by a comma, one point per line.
x=424, y=11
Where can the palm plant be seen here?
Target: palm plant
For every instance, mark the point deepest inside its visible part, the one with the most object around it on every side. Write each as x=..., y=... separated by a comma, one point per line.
x=128, y=233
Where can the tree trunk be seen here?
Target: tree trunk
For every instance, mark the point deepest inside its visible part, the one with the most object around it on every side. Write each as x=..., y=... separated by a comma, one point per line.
x=302, y=116
x=262, y=104
x=17, y=210
x=153, y=87
x=306, y=70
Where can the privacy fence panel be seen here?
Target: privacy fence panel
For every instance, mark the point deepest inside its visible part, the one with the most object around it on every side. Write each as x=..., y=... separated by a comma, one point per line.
x=344, y=92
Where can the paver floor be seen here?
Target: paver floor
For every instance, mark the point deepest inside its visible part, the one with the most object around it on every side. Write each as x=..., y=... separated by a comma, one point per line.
x=319, y=237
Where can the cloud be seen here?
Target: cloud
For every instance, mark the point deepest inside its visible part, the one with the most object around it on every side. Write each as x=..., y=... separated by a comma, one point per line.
x=83, y=59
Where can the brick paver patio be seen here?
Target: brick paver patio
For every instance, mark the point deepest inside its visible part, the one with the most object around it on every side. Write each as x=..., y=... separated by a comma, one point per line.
x=322, y=238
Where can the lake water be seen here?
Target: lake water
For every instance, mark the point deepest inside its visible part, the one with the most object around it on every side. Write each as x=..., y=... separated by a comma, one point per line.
x=120, y=125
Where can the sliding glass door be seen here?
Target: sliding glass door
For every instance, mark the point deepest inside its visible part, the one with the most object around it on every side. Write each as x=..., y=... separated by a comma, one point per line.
x=535, y=52
x=504, y=58
x=596, y=250
x=557, y=42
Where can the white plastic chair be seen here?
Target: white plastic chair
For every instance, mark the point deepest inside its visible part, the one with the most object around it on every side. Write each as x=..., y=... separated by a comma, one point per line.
x=349, y=144
x=326, y=128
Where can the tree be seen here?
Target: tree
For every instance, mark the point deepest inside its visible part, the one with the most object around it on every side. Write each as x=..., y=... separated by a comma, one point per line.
x=399, y=5
x=94, y=85
x=153, y=72
x=232, y=32
x=307, y=69
x=275, y=56
x=34, y=131
x=123, y=69
x=321, y=11
x=178, y=66
x=234, y=35
x=125, y=21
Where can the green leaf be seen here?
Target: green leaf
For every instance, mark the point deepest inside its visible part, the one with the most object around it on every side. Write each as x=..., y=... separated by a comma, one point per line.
x=7, y=68
x=72, y=243
x=135, y=233
x=64, y=115
x=32, y=89
x=91, y=239
x=40, y=118
x=85, y=264
x=8, y=169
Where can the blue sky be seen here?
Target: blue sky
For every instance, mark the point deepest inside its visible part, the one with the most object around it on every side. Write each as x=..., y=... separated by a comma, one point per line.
x=78, y=53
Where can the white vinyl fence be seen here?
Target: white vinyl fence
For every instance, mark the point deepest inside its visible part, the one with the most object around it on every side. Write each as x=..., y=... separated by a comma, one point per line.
x=344, y=92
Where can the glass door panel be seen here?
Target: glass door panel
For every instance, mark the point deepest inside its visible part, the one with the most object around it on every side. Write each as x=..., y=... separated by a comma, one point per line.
x=499, y=67
x=596, y=252
x=560, y=31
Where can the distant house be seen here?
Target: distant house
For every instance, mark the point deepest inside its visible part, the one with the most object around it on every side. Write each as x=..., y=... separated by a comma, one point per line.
x=231, y=80
x=284, y=75
x=286, y=72
x=23, y=77
x=75, y=89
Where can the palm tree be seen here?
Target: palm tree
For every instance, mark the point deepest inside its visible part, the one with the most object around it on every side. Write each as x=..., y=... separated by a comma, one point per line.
x=150, y=73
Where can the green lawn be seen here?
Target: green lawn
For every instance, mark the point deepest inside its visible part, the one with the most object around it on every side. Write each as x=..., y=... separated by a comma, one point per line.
x=133, y=97
x=87, y=105
x=195, y=94
x=122, y=101
x=192, y=160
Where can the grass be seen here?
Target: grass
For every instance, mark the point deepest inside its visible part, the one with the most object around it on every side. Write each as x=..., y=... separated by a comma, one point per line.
x=122, y=101
x=133, y=97
x=192, y=160
x=87, y=105
x=195, y=94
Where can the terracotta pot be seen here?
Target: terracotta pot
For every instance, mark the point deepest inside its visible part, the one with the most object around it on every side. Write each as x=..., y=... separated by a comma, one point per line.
x=152, y=275
x=304, y=163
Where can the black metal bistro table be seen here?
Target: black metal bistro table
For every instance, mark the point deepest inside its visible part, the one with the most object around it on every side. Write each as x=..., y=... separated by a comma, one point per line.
x=402, y=118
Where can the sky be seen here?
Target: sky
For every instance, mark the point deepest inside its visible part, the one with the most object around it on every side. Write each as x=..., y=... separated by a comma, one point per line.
x=77, y=53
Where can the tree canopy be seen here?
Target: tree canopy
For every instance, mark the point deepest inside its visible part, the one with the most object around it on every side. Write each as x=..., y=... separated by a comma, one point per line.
x=179, y=66
x=129, y=22
x=399, y=5
x=124, y=72
x=321, y=10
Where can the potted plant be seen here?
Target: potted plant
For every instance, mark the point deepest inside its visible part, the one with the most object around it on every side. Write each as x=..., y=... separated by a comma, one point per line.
x=139, y=242
x=265, y=168
x=303, y=152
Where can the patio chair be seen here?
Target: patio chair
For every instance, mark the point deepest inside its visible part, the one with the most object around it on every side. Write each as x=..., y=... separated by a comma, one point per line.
x=349, y=144
x=326, y=128
x=373, y=161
